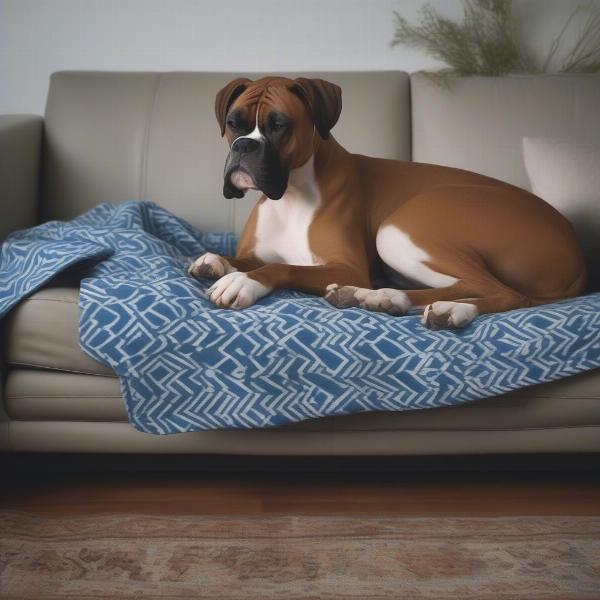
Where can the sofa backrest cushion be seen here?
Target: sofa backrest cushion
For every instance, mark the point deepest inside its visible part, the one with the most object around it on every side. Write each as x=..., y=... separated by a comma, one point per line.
x=478, y=123
x=111, y=137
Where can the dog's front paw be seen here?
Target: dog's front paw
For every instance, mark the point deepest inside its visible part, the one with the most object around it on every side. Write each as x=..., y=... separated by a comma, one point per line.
x=210, y=266
x=236, y=290
x=392, y=302
x=448, y=315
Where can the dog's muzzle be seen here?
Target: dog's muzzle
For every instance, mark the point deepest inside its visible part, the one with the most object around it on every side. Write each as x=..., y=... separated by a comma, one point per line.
x=254, y=164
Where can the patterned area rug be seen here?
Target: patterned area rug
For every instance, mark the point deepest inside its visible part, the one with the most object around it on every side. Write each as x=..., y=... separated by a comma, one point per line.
x=298, y=557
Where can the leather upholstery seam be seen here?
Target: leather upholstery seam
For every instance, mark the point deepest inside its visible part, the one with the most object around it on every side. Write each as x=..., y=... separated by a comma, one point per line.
x=469, y=429
x=29, y=397
x=61, y=300
x=93, y=374
x=287, y=432
x=60, y=369
x=124, y=421
x=143, y=183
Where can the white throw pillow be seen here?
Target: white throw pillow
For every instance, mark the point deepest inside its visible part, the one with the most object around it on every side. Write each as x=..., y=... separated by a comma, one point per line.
x=567, y=176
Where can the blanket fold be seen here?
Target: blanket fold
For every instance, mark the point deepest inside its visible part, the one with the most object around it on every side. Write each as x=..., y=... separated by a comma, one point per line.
x=185, y=365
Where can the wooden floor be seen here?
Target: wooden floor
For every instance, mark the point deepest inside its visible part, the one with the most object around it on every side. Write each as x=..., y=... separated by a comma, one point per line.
x=212, y=485
x=302, y=494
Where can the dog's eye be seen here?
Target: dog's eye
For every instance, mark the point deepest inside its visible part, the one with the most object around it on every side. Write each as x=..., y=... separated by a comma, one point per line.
x=278, y=125
x=231, y=123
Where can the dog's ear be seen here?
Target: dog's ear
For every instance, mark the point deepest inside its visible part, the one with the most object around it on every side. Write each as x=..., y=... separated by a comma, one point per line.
x=226, y=97
x=323, y=101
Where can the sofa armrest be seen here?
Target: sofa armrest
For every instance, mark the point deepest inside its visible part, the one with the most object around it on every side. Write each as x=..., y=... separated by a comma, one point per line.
x=20, y=143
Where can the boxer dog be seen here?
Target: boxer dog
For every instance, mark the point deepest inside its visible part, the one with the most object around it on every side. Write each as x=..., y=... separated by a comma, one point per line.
x=455, y=243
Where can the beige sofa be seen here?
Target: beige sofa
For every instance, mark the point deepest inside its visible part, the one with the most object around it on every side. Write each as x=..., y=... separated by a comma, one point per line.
x=120, y=136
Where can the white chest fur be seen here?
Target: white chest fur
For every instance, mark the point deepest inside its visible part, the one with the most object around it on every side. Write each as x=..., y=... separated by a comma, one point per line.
x=282, y=225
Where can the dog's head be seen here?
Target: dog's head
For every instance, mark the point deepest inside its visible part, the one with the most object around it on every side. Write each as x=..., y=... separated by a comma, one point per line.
x=270, y=125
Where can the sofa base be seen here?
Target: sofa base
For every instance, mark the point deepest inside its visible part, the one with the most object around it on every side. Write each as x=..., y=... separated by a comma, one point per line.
x=117, y=438
x=36, y=466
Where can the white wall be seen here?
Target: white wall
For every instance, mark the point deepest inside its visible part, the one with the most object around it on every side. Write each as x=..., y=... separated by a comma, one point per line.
x=38, y=37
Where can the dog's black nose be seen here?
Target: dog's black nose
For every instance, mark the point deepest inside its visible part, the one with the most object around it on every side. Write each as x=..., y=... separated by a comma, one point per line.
x=244, y=145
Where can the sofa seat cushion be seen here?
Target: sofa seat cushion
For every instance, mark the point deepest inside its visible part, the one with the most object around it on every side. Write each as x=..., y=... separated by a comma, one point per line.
x=43, y=395
x=42, y=332
x=51, y=379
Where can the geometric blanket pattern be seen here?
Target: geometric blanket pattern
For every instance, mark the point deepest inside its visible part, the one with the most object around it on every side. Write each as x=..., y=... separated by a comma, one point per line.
x=186, y=365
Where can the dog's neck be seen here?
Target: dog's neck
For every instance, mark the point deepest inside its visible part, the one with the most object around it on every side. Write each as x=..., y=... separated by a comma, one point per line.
x=302, y=177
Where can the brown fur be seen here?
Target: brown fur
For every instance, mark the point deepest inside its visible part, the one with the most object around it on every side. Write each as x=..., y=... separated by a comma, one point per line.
x=507, y=247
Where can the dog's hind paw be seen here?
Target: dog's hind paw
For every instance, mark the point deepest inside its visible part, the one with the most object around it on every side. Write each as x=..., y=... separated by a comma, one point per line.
x=448, y=315
x=385, y=300
x=341, y=296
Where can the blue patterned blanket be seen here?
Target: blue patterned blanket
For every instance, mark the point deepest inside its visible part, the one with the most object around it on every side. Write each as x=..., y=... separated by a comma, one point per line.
x=186, y=365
